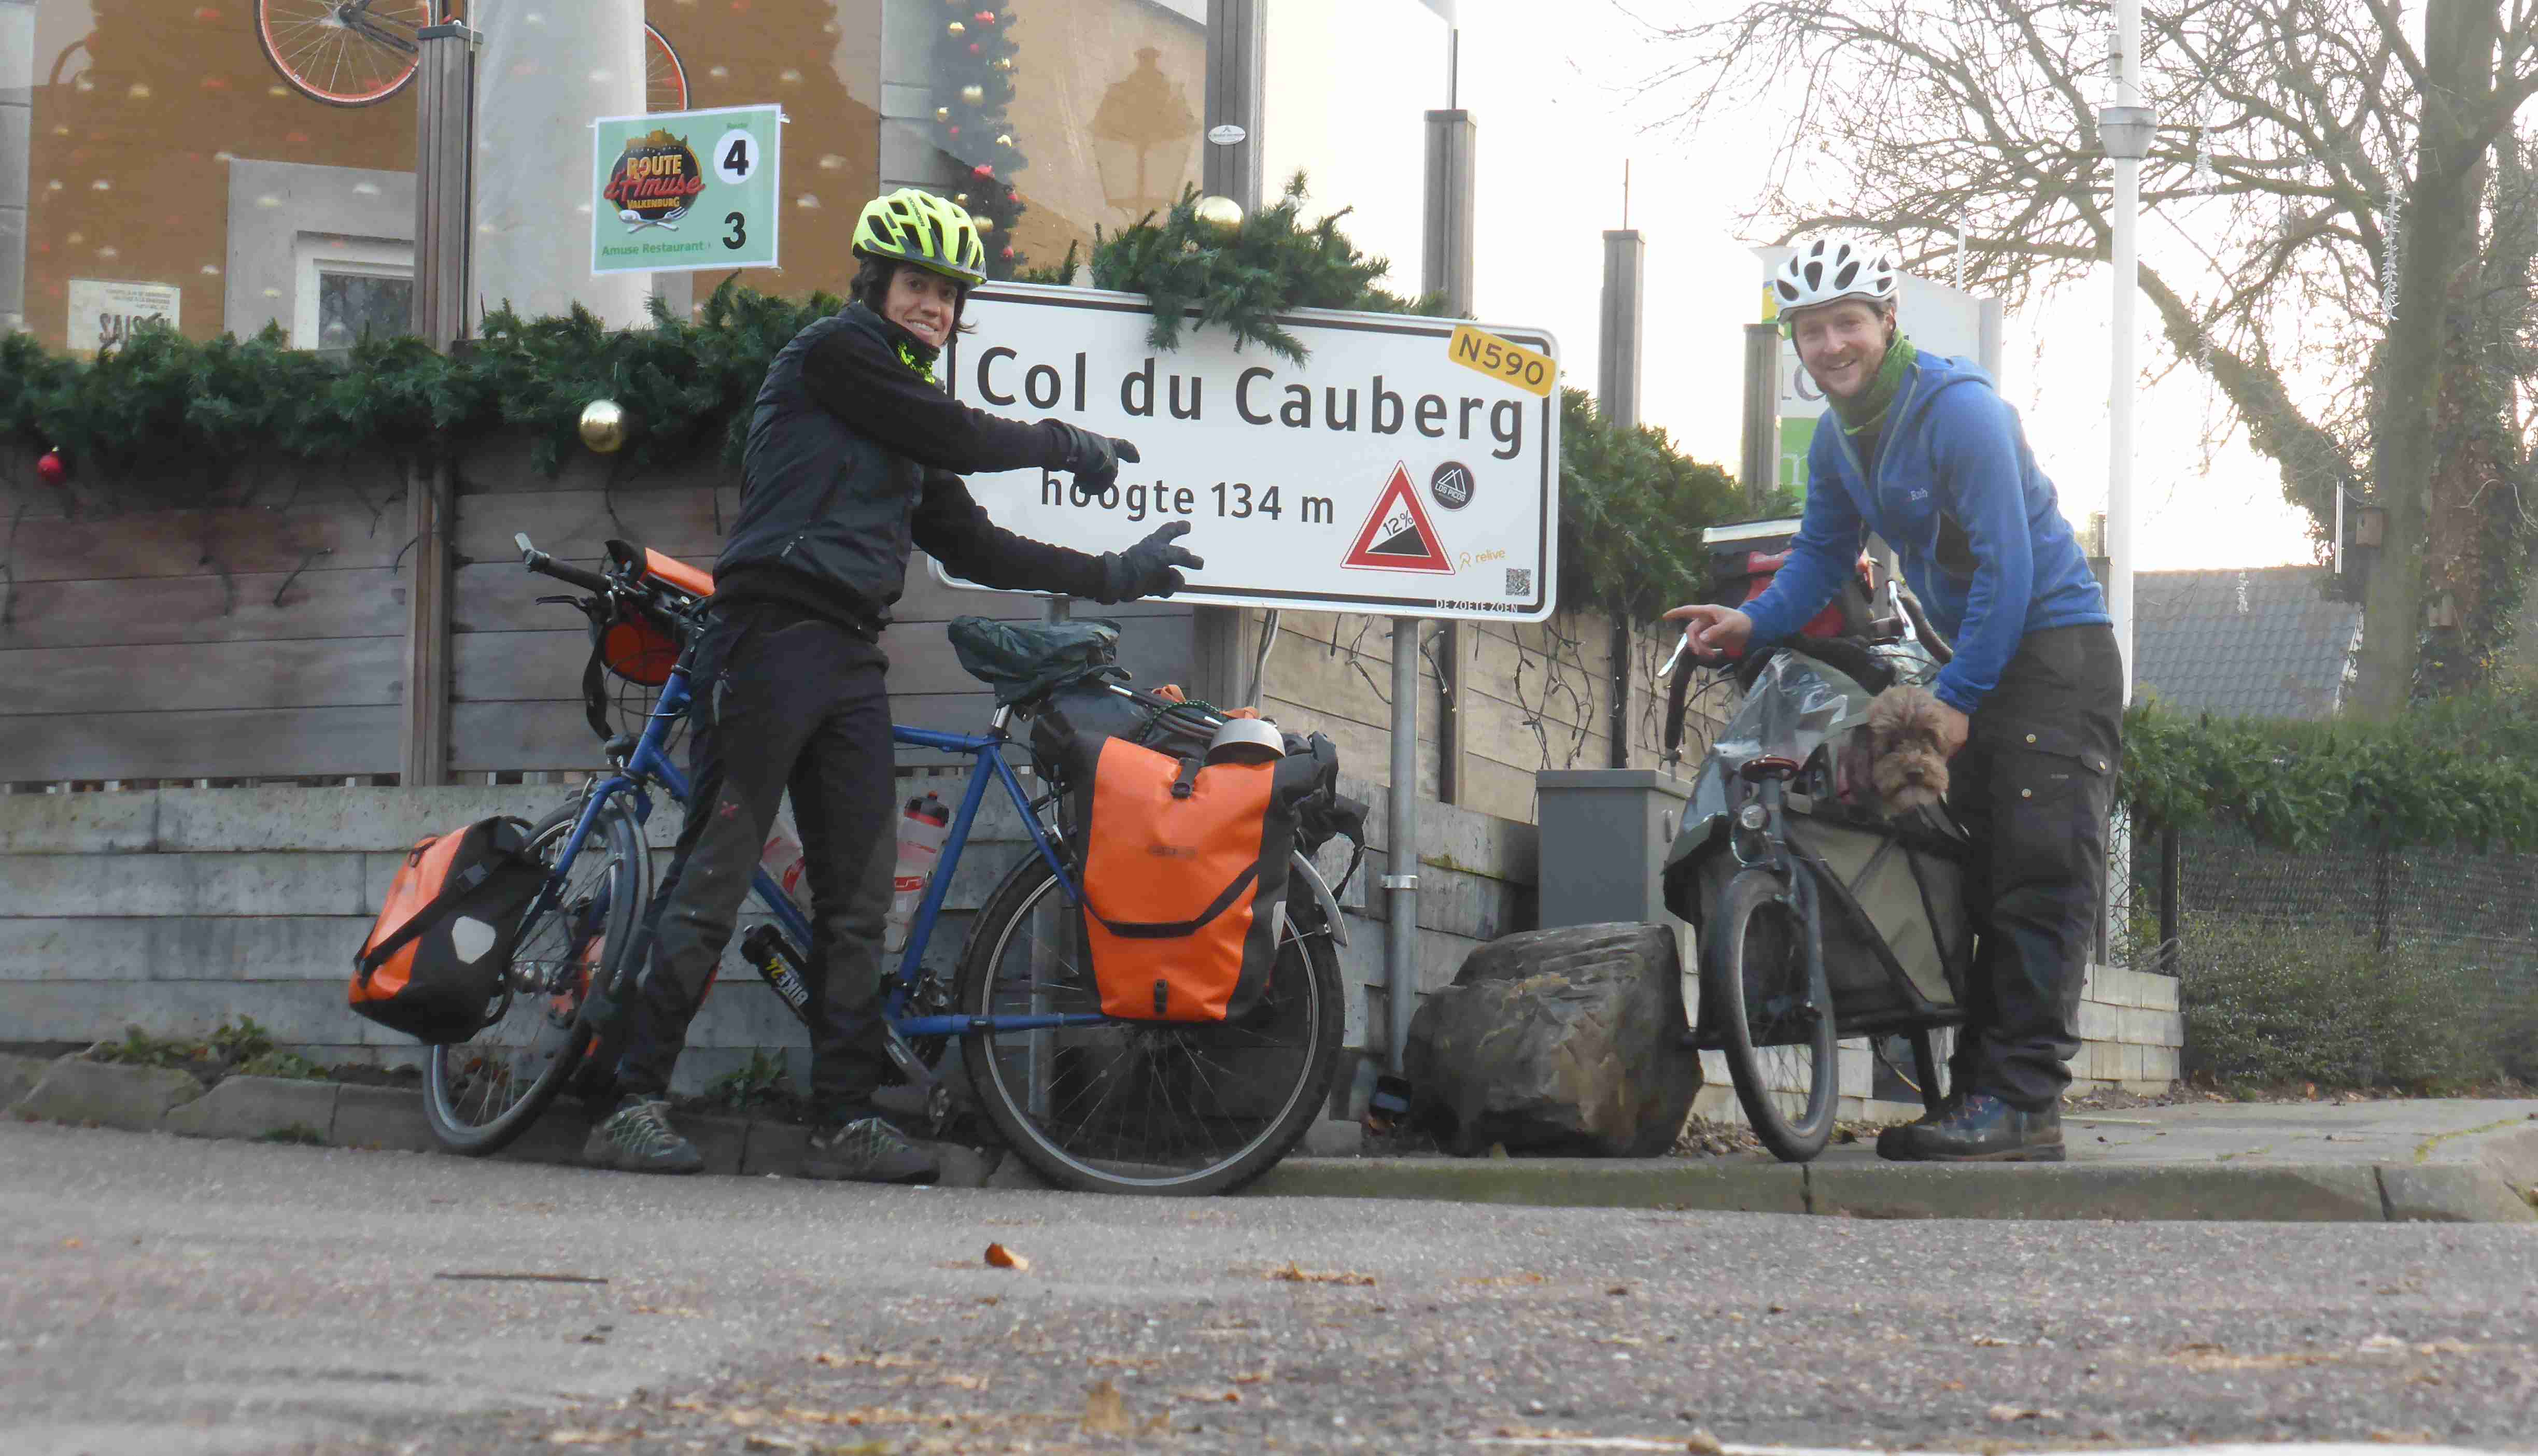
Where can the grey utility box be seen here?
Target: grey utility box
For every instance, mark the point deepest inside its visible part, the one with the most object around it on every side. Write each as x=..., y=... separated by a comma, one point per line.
x=1605, y=833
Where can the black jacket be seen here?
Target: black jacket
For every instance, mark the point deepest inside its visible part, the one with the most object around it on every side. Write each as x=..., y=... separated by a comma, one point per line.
x=851, y=455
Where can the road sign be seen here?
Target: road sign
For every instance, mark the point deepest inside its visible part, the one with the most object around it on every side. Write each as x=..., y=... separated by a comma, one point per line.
x=1383, y=475
x=678, y=191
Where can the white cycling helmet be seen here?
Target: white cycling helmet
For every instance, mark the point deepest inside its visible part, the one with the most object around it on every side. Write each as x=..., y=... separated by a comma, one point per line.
x=1832, y=268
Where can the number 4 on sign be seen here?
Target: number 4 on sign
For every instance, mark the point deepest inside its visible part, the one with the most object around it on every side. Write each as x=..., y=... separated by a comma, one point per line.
x=735, y=157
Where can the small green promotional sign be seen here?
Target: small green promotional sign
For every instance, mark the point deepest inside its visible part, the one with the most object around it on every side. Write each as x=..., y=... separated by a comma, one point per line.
x=684, y=190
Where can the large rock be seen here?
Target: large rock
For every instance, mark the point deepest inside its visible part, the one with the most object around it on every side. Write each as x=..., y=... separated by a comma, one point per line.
x=1557, y=1041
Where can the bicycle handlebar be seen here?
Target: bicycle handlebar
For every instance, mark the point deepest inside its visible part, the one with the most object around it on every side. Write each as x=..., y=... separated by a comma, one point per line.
x=547, y=566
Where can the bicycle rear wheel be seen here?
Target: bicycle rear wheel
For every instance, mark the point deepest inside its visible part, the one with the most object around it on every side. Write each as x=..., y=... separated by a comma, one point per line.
x=1779, y=1039
x=1138, y=1107
x=343, y=53
x=485, y=1092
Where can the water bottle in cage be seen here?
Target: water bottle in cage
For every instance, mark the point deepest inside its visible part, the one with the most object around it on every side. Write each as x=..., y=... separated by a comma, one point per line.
x=922, y=828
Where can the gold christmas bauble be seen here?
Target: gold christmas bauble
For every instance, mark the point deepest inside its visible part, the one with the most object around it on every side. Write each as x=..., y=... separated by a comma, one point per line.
x=974, y=95
x=962, y=198
x=1004, y=63
x=603, y=426
x=1004, y=139
x=1220, y=216
x=943, y=113
x=983, y=225
x=956, y=29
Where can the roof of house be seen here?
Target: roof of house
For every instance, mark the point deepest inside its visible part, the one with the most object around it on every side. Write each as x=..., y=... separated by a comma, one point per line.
x=2250, y=642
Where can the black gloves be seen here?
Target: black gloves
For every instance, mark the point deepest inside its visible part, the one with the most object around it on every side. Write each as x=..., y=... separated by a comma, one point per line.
x=1146, y=569
x=1092, y=459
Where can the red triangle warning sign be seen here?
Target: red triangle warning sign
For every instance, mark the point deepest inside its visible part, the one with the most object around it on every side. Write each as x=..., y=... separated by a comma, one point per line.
x=1397, y=534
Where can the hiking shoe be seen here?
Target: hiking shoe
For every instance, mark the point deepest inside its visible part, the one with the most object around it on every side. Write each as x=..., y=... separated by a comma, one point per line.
x=637, y=1138
x=868, y=1150
x=1980, y=1129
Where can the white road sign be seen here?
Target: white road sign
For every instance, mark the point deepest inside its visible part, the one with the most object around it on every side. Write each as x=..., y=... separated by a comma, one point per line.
x=1409, y=467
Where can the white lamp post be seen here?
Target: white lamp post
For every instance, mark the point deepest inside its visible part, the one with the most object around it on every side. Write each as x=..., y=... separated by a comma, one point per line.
x=2124, y=130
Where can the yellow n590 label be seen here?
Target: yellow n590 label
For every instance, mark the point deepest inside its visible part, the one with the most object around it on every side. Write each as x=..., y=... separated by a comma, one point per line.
x=1477, y=348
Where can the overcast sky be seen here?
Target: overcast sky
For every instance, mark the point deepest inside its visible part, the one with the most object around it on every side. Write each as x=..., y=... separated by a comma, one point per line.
x=1550, y=89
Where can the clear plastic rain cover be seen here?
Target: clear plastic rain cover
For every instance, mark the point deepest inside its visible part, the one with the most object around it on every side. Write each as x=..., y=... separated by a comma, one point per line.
x=1796, y=706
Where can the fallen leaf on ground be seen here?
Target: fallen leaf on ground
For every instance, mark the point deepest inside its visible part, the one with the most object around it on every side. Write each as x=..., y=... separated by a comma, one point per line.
x=967, y=1382
x=1212, y=1397
x=1295, y=1274
x=587, y=1437
x=686, y=1403
x=771, y=1443
x=1704, y=1443
x=746, y=1418
x=73, y=1244
x=1131, y=1361
x=1987, y=1342
x=1104, y=1411
x=2022, y=1413
x=1504, y=1279
x=1000, y=1257
x=882, y=1362
x=674, y=1311
x=1256, y=1377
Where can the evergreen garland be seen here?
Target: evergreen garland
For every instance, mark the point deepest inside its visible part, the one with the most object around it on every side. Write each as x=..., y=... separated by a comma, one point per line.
x=974, y=71
x=1240, y=282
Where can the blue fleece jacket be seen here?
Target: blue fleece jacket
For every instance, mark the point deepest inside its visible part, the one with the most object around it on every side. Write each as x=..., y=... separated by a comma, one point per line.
x=1976, y=524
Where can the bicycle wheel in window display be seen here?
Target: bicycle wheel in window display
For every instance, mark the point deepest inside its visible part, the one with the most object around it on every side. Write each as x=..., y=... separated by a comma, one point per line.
x=343, y=53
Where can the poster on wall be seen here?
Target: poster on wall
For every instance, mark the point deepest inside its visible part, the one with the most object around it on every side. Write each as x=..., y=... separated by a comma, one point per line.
x=679, y=191
x=105, y=314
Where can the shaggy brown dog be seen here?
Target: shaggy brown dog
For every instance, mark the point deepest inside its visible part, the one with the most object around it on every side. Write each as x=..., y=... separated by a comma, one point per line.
x=1909, y=769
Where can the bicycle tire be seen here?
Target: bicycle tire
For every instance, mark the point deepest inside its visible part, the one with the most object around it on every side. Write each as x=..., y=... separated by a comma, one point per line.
x=543, y=1033
x=1750, y=965
x=377, y=81
x=1086, y=1141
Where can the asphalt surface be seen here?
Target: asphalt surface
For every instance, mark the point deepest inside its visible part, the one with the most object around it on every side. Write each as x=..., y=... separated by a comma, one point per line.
x=167, y=1296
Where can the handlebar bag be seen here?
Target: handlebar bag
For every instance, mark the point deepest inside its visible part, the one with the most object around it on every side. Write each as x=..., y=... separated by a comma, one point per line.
x=1185, y=872
x=433, y=963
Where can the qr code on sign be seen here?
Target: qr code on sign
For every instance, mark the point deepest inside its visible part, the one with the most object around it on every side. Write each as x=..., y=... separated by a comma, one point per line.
x=1519, y=581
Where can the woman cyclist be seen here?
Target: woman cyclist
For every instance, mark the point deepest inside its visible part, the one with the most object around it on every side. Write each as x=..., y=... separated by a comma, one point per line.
x=855, y=456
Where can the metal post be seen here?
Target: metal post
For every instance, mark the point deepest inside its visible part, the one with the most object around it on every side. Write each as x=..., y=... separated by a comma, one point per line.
x=1401, y=845
x=1238, y=33
x=1617, y=395
x=1761, y=453
x=2125, y=129
x=1447, y=271
x=1237, y=48
x=444, y=157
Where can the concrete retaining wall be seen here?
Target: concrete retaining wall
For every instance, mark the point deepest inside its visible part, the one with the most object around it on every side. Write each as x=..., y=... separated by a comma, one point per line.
x=174, y=909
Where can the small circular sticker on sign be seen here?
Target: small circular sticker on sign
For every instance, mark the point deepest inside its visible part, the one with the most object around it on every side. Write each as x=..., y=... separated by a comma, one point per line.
x=1451, y=484
x=1227, y=134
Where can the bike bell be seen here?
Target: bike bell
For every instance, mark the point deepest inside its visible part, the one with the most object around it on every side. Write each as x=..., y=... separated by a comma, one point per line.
x=1246, y=740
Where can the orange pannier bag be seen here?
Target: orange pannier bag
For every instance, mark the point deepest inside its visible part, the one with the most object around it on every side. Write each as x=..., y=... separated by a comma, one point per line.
x=1185, y=872
x=434, y=965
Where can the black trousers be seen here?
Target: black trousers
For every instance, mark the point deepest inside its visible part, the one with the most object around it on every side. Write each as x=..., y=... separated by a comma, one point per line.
x=2032, y=786
x=782, y=701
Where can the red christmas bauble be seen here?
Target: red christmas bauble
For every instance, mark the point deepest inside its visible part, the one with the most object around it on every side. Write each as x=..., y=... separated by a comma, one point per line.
x=974, y=48
x=1013, y=197
x=1009, y=255
x=954, y=130
x=53, y=469
x=982, y=170
x=985, y=17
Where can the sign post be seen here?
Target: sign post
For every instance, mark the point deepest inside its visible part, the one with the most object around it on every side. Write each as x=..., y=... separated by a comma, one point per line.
x=679, y=191
x=1409, y=467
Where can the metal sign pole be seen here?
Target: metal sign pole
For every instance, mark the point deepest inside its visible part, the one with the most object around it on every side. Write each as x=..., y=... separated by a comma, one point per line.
x=444, y=155
x=1401, y=845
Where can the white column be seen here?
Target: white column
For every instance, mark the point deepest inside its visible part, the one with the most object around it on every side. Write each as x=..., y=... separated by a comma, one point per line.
x=2123, y=381
x=545, y=72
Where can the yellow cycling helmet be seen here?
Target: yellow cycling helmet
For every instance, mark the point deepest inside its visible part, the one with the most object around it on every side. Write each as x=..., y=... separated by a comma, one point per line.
x=917, y=227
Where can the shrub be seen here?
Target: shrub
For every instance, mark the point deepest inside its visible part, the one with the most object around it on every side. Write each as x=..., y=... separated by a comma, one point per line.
x=2270, y=1001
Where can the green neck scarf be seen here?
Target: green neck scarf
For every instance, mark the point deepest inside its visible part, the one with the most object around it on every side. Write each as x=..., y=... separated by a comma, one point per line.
x=1869, y=410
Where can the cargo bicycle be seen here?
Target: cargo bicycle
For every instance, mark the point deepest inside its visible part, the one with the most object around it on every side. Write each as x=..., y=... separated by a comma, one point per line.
x=1818, y=917
x=1089, y=1100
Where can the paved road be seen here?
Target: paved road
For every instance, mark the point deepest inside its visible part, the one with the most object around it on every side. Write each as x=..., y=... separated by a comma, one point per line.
x=165, y=1295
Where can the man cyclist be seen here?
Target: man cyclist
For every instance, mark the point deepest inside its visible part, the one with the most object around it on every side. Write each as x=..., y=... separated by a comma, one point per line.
x=855, y=456
x=1920, y=451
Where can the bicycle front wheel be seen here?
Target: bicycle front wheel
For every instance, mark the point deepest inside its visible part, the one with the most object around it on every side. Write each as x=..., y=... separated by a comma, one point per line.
x=1779, y=1039
x=1141, y=1108
x=483, y=1092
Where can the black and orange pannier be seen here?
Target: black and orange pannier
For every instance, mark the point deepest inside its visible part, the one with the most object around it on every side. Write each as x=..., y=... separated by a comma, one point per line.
x=433, y=963
x=1184, y=873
